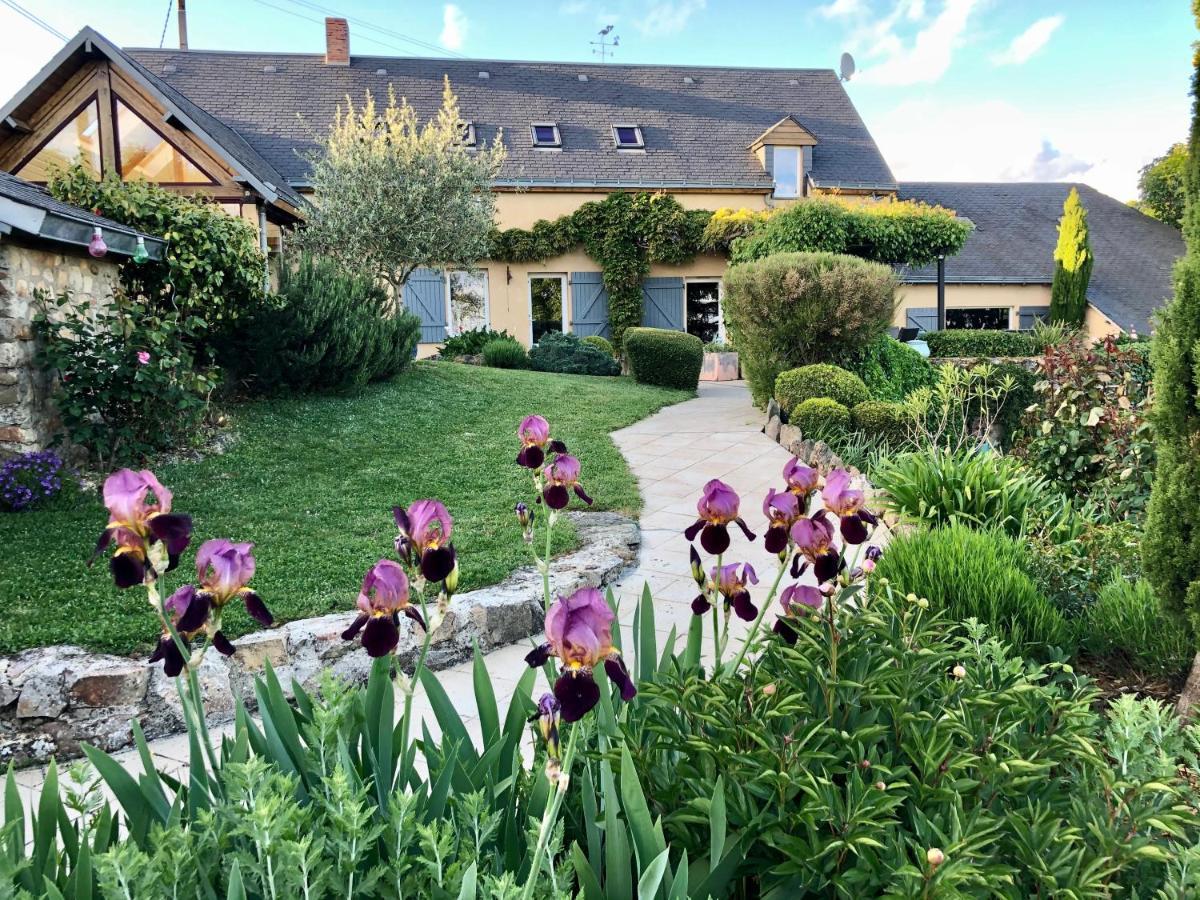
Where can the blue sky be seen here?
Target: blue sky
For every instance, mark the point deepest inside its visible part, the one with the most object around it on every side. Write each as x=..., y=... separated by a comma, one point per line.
x=1084, y=90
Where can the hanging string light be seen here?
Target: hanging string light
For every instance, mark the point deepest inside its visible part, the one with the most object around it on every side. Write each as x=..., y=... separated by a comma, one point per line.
x=96, y=245
x=140, y=254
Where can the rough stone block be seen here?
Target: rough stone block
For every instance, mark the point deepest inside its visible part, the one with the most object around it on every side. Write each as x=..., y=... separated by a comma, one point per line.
x=790, y=434
x=774, y=424
x=118, y=684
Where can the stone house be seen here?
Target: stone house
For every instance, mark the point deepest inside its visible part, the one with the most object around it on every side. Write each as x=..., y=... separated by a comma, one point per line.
x=44, y=247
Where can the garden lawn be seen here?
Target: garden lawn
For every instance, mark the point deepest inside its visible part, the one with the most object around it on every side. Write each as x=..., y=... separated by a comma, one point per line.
x=311, y=481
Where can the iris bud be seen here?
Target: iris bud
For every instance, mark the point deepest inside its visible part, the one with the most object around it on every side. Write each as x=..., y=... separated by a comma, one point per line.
x=450, y=585
x=959, y=672
x=935, y=857
x=697, y=569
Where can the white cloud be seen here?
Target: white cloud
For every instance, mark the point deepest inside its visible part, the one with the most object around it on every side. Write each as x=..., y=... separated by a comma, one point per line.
x=930, y=53
x=668, y=17
x=1028, y=42
x=454, y=27
x=841, y=8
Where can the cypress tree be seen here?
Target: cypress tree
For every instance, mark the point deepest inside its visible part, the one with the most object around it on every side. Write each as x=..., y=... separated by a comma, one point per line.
x=1073, y=262
x=1171, y=544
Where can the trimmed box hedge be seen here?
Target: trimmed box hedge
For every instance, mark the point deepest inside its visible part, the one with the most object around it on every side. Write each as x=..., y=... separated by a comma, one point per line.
x=795, y=386
x=821, y=417
x=882, y=419
x=664, y=357
x=980, y=342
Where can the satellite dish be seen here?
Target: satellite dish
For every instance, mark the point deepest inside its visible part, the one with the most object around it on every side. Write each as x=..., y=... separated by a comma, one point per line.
x=847, y=67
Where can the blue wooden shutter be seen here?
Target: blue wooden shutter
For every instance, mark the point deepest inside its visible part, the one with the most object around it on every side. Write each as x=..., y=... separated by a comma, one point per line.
x=923, y=317
x=589, y=304
x=662, y=303
x=1027, y=316
x=425, y=295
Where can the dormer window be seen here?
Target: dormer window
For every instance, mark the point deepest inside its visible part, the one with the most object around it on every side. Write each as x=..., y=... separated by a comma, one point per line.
x=787, y=171
x=628, y=137
x=545, y=134
x=468, y=134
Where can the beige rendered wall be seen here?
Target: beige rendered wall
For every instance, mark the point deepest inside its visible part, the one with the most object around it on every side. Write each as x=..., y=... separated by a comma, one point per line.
x=1098, y=325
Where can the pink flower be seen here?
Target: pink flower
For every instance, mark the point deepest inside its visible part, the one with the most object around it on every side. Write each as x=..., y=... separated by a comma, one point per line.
x=801, y=479
x=534, y=434
x=846, y=502
x=136, y=522
x=143, y=357
x=383, y=597
x=426, y=527
x=223, y=568
x=781, y=510
x=732, y=586
x=562, y=475
x=718, y=505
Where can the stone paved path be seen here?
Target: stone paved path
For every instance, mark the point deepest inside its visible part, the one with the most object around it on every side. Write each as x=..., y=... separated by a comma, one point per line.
x=672, y=454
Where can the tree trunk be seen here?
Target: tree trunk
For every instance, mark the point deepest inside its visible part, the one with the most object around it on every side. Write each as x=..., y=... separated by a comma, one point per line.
x=1189, y=699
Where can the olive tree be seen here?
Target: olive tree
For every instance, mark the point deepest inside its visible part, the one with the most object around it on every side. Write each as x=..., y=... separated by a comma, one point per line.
x=391, y=194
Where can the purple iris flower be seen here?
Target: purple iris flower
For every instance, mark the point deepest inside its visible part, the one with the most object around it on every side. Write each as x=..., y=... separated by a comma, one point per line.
x=813, y=537
x=847, y=503
x=188, y=612
x=562, y=476
x=223, y=569
x=782, y=510
x=718, y=506
x=579, y=633
x=801, y=480
x=796, y=598
x=425, y=528
x=134, y=523
x=732, y=586
x=383, y=597
x=547, y=716
x=534, y=433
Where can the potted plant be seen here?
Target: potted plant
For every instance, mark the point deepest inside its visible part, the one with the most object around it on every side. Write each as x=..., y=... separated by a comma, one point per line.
x=720, y=362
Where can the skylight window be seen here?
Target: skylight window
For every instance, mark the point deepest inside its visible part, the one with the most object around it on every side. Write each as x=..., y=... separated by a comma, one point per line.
x=628, y=137
x=468, y=134
x=545, y=134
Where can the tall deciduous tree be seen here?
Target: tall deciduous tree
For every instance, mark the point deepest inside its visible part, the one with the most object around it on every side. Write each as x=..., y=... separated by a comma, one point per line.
x=1073, y=262
x=1161, y=186
x=1171, y=544
x=391, y=194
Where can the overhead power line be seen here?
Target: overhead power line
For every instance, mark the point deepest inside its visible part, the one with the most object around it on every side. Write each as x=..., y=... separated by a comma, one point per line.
x=379, y=29
x=41, y=23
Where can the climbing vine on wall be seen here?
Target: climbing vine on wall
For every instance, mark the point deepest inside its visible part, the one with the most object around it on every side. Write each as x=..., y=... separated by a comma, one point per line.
x=624, y=233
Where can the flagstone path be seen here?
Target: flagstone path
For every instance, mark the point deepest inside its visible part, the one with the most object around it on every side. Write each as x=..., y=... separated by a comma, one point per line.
x=672, y=454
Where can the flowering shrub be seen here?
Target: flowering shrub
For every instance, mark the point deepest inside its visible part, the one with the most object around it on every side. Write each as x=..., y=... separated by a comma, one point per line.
x=31, y=479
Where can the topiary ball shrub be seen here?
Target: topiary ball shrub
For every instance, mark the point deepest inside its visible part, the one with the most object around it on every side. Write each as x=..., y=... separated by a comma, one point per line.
x=664, y=357
x=821, y=380
x=1128, y=620
x=505, y=353
x=821, y=418
x=888, y=422
x=792, y=309
x=980, y=342
x=600, y=343
x=569, y=355
x=966, y=573
x=891, y=370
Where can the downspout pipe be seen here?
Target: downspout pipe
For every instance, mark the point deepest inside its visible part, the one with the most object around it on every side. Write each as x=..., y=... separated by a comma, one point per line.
x=941, y=292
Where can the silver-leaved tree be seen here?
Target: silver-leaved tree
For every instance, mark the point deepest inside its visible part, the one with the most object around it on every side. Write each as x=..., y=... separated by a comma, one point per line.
x=392, y=194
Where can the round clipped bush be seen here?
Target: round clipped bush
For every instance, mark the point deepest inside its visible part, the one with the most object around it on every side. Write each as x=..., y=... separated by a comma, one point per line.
x=821, y=417
x=795, y=386
x=664, y=357
x=505, y=353
x=881, y=419
x=599, y=343
x=891, y=370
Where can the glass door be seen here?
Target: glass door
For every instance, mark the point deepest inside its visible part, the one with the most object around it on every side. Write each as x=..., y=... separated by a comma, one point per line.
x=547, y=303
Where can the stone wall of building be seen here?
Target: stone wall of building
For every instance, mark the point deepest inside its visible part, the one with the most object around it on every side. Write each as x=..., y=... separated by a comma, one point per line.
x=27, y=417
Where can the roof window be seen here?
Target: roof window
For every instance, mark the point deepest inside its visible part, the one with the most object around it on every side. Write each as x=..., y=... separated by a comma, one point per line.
x=545, y=134
x=468, y=134
x=628, y=137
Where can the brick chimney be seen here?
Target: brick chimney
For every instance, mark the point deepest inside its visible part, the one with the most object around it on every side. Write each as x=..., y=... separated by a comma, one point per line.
x=337, y=42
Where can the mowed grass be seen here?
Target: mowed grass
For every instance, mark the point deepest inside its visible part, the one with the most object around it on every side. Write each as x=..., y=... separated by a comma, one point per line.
x=312, y=480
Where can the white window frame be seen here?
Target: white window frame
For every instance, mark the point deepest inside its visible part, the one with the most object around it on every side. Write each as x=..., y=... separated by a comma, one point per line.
x=708, y=279
x=799, y=151
x=566, y=302
x=637, y=130
x=542, y=145
x=487, y=297
x=468, y=135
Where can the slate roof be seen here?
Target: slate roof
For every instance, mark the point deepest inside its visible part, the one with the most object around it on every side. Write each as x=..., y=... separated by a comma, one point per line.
x=1016, y=228
x=697, y=133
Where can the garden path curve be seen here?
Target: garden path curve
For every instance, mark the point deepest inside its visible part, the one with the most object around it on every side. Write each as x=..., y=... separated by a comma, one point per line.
x=672, y=454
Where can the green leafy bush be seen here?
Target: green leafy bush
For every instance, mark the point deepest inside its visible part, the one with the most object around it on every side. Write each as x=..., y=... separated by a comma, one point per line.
x=566, y=353
x=795, y=386
x=471, y=343
x=600, y=343
x=897, y=231
x=960, y=410
x=1128, y=620
x=664, y=357
x=821, y=418
x=966, y=573
x=326, y=330
x=980, y=342
x=1075, y=552
x=793, y=309
x=505, y=353
x=891, y=370
x=882, y=421
x=129, y=382
x=937, y=487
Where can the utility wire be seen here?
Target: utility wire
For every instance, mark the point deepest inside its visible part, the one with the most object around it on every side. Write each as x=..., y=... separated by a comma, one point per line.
x=388, y=32
x=297, y=15
x=166, y=20
x=41, y=23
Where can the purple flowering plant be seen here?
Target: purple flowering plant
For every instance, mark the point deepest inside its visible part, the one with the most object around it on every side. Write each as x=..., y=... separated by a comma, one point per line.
x=31, y=479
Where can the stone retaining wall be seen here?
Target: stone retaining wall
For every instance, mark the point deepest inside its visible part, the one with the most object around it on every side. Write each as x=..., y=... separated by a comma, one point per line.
x=27, y=418
x=54, y=698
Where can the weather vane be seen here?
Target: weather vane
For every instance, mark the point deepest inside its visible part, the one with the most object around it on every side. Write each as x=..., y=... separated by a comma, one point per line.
x=603, y=47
